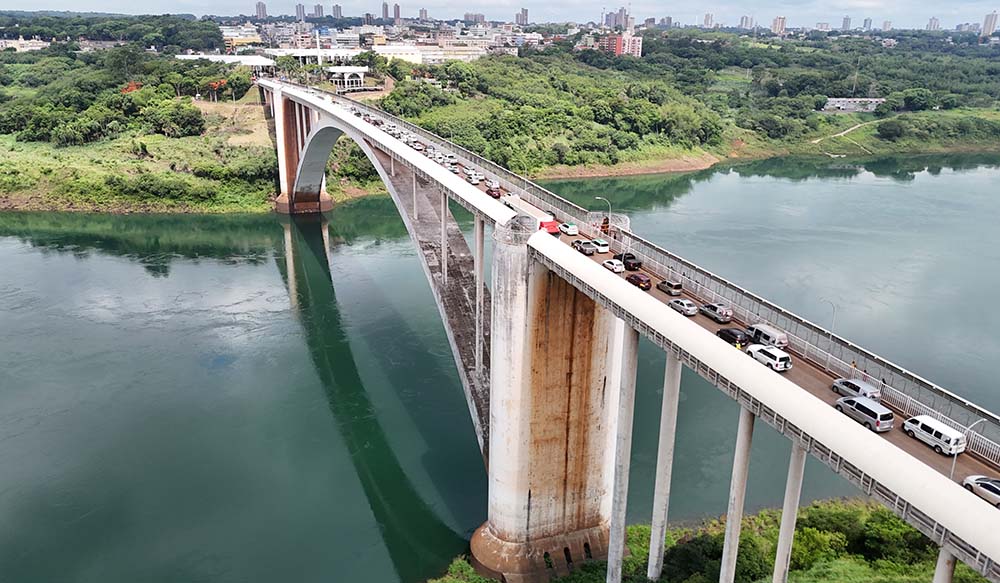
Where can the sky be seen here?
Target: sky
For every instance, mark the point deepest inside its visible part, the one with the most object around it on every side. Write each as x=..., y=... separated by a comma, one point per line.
x=902, y=13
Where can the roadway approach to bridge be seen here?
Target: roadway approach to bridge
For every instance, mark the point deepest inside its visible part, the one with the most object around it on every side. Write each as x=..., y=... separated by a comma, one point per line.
x=547, y=358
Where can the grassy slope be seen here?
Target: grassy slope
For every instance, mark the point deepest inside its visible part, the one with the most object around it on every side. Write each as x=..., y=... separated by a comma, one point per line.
x=41, y=176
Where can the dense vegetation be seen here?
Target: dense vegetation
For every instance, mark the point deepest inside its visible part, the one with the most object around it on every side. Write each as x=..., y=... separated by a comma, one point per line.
x=698, y=91
x=834, y=541
x=526, y=113
x=170, y=33
x=70, y=98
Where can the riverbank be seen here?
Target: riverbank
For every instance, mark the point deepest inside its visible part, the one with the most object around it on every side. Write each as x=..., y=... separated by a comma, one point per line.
x=228, y=169
x=231, y=167
x=836, y=541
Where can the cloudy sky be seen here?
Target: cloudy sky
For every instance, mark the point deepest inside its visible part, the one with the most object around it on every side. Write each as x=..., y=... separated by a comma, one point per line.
x=902, y=13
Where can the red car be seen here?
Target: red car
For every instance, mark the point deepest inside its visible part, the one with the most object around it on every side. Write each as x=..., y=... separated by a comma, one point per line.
x=494, y=192
x=640, y=280
x=550, y=227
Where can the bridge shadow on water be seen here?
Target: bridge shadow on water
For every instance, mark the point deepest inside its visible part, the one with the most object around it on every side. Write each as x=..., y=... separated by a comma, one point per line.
x=417, y=539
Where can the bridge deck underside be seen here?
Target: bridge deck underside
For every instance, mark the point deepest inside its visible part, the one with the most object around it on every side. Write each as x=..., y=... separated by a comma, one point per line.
x=453, y=284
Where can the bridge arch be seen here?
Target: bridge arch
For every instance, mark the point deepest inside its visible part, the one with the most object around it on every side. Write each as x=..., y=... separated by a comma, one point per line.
x=451, y=268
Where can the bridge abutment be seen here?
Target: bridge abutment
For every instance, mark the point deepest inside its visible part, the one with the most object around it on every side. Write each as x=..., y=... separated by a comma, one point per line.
x=554, y=410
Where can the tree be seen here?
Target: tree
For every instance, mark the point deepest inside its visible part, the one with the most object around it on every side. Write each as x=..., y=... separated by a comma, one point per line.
x=917, y=99
x=890, y=129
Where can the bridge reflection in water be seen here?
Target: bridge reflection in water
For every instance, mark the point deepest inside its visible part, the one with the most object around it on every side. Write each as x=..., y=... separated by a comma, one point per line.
x=417, y=540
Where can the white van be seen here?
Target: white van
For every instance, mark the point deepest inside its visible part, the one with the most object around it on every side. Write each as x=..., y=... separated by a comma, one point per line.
x=942, y=438
x=767, y=334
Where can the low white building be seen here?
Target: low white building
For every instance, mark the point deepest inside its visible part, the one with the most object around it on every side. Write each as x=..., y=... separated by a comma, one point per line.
x=22, y=45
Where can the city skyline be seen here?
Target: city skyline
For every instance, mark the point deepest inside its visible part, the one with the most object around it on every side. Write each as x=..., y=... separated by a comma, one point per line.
x=910, y=14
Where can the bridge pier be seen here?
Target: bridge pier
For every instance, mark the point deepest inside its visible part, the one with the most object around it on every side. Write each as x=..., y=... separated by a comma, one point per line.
x=479, y=244
x=944, y=571
x=624, y=355
x=664, y=464
x=554, y=407
x=737, y=494
x=789, y=513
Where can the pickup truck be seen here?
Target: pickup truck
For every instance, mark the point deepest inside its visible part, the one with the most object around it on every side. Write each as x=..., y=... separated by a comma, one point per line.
x=631, y=262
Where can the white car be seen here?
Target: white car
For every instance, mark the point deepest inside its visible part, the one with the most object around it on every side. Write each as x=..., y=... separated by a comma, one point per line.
x=473, y=179
x=569, y=229
x=614, y=266
x=686, y=307
x=602, y=245
x=986, y=488
x=774, y=358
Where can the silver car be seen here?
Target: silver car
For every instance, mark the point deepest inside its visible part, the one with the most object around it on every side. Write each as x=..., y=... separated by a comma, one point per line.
x=686, y=307
x=856, y=388
x=721, y=313
x=872, y=414
x=986, y=488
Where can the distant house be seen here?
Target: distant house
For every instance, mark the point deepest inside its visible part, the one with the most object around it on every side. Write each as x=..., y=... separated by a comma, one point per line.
x=852, y=104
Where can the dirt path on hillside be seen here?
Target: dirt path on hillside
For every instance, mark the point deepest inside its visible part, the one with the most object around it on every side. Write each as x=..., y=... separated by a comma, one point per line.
x=681, y=164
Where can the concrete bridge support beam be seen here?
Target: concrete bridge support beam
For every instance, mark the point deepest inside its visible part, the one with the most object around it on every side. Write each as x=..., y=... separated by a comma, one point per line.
x=625, y=351
x=789, y=512
x=737, y=494
x=553, y=415
x=478, y=245
x=664, y=464
x=945, y=569
x=444, y=235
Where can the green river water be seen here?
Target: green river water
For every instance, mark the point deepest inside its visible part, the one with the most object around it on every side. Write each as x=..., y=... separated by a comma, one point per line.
x=180, y=403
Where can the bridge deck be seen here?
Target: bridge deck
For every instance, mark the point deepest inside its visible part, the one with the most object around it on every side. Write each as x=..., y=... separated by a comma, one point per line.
x=817, y=381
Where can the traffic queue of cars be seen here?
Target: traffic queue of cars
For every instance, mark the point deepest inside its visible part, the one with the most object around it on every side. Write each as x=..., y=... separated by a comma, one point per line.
x=859, y=400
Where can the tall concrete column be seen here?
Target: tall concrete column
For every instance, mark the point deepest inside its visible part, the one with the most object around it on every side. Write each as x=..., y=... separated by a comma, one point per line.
x=664, y=464
x=737, y=494
x=625, y=350
x=553, y=418
x=413, y=173
x=789, y=512
x=278, y=104
x=392, y=165
x=444, y=235
x=945, y=569
x=479, y=244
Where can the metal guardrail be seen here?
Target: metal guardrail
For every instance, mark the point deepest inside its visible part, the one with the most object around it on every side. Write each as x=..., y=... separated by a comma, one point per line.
x=902, y=389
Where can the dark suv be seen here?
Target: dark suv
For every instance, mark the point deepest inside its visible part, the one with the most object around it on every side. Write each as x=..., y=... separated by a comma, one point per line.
x=734, y=336
x=640, y=280
x=630, y=261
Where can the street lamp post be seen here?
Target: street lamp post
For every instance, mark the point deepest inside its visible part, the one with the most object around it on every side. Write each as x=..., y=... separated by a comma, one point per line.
x=833, y=324
x=954, y=458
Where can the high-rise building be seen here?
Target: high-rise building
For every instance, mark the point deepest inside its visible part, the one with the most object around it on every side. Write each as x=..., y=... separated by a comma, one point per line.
x=621, y=44
x=619, y=19
x=887, y=26
x=778, y=25
x=338, y=11
x=423, y=14
x=474, y=17
x=746, y=22
x=649, y=22
x=708, y=20
x=261, y=11
x=521, y=17
x=385, y=11
x=824, y=26
x=667, y=22
x=300, y=11
x=868, y=24
x=846, y=24
x=934, y=23
x=318, y=11
x=395, y=15
x=990, y=24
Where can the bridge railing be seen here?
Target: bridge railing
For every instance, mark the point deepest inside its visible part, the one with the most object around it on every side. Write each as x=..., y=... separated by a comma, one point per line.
x=904, y=390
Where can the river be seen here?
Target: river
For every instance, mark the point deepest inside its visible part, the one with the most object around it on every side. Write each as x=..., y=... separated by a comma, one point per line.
x=179, y=402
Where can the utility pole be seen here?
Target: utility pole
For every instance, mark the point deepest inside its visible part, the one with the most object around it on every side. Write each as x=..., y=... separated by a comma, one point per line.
x=858, y=66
